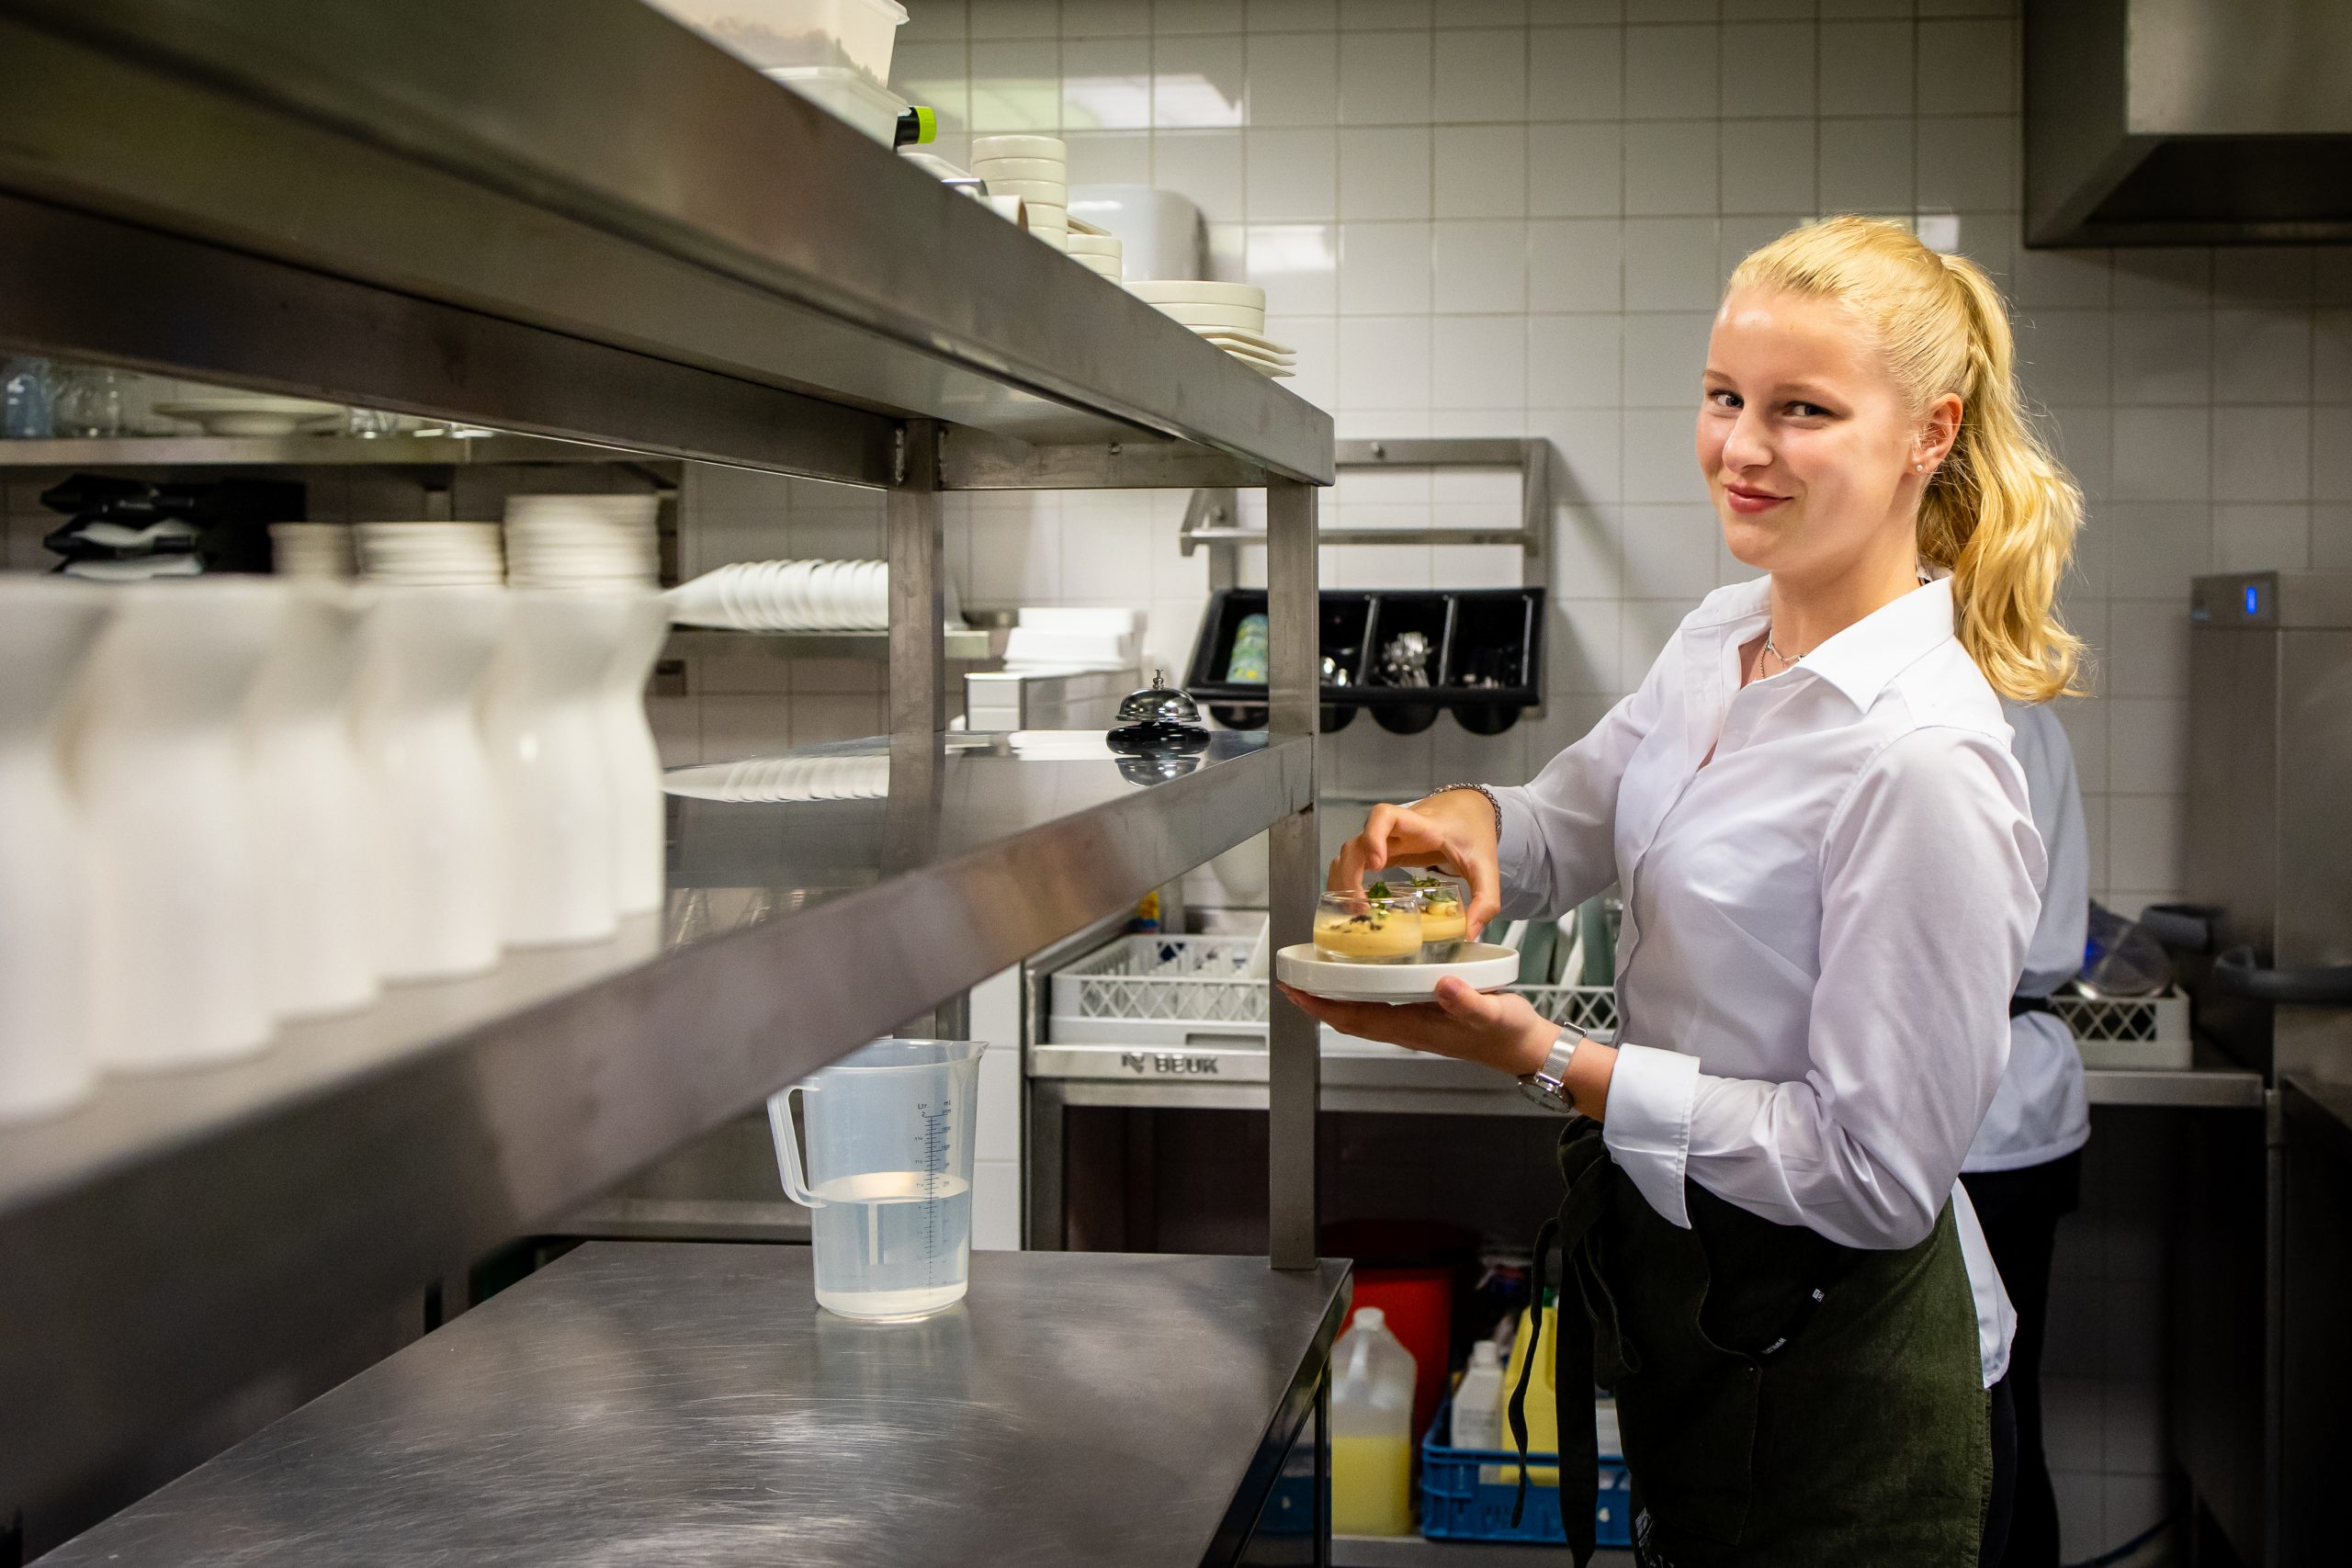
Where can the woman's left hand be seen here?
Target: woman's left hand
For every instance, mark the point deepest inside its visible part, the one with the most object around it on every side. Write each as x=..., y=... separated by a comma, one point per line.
x=1500, y=1030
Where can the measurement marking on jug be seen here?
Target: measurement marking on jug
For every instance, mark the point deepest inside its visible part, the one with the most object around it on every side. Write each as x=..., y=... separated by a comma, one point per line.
x=935, y=1165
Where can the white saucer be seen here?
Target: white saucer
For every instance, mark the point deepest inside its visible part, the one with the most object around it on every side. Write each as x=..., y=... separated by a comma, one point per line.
x=1487, y=968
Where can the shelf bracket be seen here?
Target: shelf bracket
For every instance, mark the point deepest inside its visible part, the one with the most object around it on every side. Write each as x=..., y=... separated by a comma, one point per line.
x=1293, y=1060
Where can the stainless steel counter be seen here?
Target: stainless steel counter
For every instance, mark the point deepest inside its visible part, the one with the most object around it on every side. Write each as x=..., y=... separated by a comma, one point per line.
x=687, y=1405
x=173, y=1238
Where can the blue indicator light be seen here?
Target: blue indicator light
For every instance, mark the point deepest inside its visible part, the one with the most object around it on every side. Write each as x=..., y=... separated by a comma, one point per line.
x=2253, y=599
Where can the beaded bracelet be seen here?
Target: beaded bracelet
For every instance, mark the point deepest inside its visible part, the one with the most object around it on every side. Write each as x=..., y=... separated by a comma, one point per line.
x=1482, y=789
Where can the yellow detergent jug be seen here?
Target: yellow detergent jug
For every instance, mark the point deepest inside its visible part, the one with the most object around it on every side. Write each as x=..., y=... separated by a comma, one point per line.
x=1543, y=1398
x=1372, y=1429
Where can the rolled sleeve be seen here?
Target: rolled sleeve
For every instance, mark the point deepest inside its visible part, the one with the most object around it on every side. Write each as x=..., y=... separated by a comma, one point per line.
x=1652, y=1095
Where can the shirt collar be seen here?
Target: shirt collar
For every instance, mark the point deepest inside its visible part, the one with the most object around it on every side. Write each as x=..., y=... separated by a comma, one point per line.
x=1862, y=658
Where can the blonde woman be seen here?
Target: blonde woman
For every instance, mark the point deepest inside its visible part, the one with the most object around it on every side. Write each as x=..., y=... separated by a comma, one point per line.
x=1830, y=876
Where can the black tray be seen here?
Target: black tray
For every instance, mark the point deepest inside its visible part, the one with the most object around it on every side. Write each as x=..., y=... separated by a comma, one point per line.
x=1497, y=632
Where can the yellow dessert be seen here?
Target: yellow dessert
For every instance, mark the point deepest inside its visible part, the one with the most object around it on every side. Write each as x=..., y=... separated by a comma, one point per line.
x=1445, y=923
x=1358, y=930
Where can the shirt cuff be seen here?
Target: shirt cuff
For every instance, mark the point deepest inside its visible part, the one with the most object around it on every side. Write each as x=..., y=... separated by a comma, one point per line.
x=1519, y=852
x=1651, y=1095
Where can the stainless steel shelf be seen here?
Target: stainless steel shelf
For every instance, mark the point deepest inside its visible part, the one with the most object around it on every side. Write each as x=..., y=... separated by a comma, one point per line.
x=446, y=215
x=2186, y=1088
x=181, y=1235
x=690, y=1404
x=1414, y=1552
x=304, y=451
x=966, y=644
x=1361, y=1075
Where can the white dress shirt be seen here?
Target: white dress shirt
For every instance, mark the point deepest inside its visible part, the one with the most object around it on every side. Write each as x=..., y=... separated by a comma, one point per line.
x=1823, y=923
x=2040, y=1113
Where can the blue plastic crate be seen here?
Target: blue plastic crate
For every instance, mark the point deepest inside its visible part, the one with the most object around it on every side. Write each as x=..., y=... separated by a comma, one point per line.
x=1457, y=1505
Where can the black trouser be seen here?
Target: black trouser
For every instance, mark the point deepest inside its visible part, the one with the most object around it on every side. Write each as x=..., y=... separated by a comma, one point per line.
x=2020, y=1211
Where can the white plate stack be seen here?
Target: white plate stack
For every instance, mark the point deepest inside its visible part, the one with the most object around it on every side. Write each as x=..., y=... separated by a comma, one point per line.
x=1230, y=315
x=433, y=555
x=1036, y=169
x=318, y=552
x=1098, y=254
x=600, y=542
x=788, y=596
x=784, y=778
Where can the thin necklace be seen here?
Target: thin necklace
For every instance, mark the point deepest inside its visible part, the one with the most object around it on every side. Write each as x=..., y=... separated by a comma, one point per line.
x=1786, y=662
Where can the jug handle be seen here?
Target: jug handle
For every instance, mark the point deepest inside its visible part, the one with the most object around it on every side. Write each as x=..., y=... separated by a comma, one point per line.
x=789, y=1165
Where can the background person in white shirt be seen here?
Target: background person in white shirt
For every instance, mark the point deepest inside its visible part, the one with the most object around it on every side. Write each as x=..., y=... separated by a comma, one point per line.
x=1830, y=876
x=2024, y=1169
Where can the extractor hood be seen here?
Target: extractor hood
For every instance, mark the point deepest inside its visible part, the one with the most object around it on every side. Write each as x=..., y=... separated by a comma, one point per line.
x=2167, y=122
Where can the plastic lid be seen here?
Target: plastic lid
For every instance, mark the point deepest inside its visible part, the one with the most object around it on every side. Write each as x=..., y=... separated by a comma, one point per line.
x=1486, y=1353
x=1370, y=1317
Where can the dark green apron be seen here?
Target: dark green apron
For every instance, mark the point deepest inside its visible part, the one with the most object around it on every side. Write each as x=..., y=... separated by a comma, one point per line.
x=1783, y=1400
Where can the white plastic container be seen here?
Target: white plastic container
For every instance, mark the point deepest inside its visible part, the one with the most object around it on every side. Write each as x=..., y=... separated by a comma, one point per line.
x=848, y=95
x=633, y=760
x=311, y=808
x=888, y=1175
x=430, y=778
x=177, y=900
x=47, y=630
x=543, y=730
x=1478, y=1401
x=858, y=34
x=1372, y=1429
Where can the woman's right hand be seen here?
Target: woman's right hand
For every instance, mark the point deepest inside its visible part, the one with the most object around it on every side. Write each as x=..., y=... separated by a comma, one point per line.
x=1454, y=828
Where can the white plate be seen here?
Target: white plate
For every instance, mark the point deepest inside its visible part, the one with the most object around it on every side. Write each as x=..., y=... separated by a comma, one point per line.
x=1223, y=318
x=1237, y=296
x=255, y=414
x=1052, y=170
x=1256, y=343
x=985, y=148
x=1487, y=968
x=1037, y=193
x=1263, y=361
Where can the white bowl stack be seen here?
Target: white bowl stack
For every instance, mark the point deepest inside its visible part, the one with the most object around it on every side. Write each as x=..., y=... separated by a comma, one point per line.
x=433, y=555
x=784, y=778
x=1230, y=315
x=788, y=596
x=1036, y=169
x=1098, y=254
x=316, y=552
x=593, y=542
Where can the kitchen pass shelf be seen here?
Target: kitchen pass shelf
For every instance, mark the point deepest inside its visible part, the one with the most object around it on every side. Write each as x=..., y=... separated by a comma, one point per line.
x=304, y=451
x=448, y=220
x=152, y=1232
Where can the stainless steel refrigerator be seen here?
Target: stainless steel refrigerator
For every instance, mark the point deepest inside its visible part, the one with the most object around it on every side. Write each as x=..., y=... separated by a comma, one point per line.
x=2261, y=1366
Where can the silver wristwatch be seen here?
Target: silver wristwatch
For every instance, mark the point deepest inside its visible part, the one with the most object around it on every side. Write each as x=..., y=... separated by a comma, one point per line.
x=1547, y=1085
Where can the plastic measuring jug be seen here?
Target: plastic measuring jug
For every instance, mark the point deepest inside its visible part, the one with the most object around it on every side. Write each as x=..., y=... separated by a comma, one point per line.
x=888, y=1174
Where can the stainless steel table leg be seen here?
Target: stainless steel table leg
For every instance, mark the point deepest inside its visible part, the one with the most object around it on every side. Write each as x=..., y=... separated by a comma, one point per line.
x=1041, y=1135
x=918, y=603
x=1293, y=1059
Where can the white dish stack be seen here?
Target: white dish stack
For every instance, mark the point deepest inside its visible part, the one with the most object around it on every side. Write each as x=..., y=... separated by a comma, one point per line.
x=314, y=552
x=1036, y=169
x=596, y=542
x=1230, y=315
x=433, y=555
x=784, y=778
x=787, y=596
x=1098, y=254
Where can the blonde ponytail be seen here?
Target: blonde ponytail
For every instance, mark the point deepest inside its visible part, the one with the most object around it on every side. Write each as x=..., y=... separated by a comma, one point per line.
x=1999, y=513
